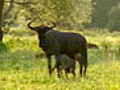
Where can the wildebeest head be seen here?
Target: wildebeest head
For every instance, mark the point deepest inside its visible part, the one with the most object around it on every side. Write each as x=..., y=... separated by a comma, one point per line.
x=41, y=29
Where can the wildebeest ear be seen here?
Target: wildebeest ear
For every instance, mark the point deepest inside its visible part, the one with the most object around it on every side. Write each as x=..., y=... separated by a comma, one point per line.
x=29, y=25
x=53, y=25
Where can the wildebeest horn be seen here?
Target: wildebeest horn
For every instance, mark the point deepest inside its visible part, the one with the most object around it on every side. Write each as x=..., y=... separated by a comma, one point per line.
x=54, y=25
x=29, y=25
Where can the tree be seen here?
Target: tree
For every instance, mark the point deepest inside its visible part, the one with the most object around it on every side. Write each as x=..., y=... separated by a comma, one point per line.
x=67, y=14
x=1, y=12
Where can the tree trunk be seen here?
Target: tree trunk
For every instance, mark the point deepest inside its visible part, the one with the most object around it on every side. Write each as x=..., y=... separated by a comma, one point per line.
x=1, y=12
x=6, y=13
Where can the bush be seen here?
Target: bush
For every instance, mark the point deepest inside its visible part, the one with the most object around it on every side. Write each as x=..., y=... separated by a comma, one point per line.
x=3, y=47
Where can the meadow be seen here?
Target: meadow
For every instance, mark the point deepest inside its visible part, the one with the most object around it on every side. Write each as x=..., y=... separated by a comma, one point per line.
x=21, y=70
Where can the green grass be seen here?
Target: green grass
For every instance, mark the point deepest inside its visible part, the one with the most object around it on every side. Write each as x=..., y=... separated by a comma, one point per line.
x=21, y=70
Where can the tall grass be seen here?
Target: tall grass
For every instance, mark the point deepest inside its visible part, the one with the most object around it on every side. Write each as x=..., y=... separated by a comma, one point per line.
x=21, y=70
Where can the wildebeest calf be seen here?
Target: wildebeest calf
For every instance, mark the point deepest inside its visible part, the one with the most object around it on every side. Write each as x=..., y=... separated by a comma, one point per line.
x=64, y=62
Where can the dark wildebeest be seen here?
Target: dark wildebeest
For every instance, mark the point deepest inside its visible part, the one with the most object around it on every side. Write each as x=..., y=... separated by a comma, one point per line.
x=54, y=42
x=64, y=62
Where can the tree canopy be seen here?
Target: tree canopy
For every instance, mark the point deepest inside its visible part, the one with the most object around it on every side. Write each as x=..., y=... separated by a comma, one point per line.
x=67, y=14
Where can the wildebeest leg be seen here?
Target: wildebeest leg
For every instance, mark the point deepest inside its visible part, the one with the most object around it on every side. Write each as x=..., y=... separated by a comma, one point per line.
x=81, y=68
x=85, y=69
x=83, y=61
x=49, y=64
x=79, y=57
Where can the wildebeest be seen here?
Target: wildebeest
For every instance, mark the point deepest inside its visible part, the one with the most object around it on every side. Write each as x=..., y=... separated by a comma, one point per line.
x=64, y=62
x=54, y=42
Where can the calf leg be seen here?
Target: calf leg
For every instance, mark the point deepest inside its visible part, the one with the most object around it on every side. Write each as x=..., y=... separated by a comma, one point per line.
x=73, y=71
x=66, y=73
x=59, y=71
x=53, y=69
x=57, y=65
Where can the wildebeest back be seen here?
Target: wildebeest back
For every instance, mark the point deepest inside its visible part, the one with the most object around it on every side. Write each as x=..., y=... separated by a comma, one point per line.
x=62, y=42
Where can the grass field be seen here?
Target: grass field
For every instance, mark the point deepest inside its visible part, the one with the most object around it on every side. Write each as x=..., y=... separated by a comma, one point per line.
x=21, y=70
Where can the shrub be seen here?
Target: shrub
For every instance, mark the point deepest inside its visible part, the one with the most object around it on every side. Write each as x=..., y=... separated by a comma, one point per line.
x=3, y=47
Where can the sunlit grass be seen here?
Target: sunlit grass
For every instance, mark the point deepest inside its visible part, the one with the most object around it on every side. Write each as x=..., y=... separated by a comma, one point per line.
x=21, y=70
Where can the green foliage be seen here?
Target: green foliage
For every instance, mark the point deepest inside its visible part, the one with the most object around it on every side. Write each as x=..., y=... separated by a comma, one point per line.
x=73, y=13
x=101, y=11
x=114, y=23
x=3, y=47
x=67, y=14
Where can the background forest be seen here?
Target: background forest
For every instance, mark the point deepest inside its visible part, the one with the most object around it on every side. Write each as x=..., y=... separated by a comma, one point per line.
x=66, y=14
